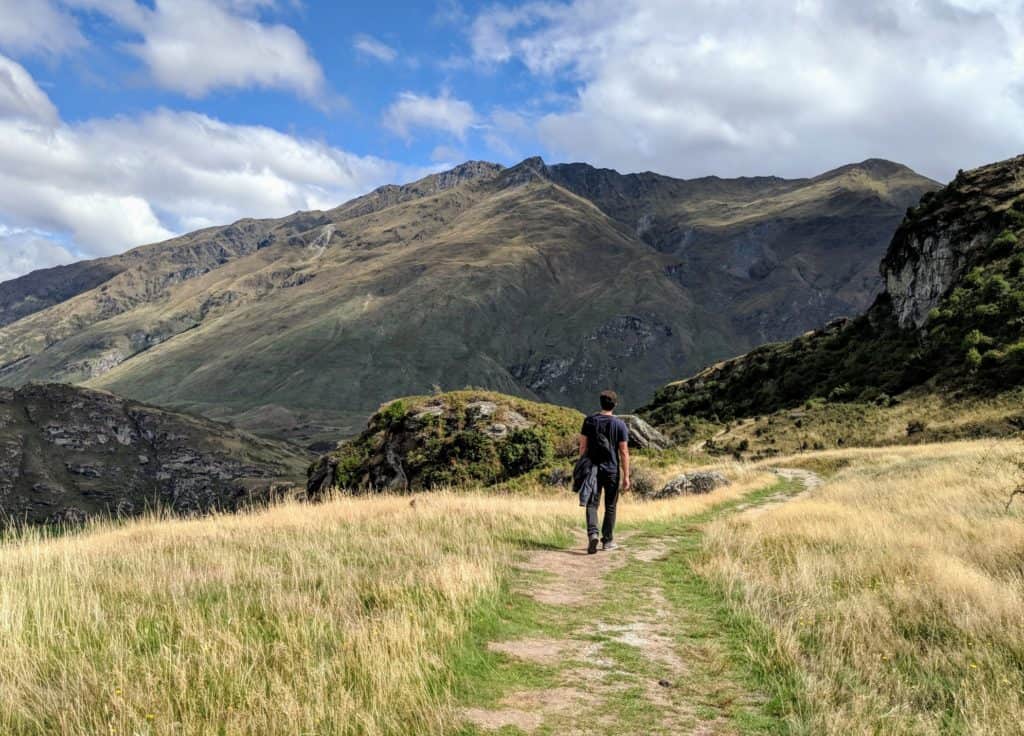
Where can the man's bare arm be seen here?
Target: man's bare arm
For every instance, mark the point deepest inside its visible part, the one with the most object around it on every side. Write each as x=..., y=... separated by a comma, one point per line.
x=583, y=445
x=624, y=462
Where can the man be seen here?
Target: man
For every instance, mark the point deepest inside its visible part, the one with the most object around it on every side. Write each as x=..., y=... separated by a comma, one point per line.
x=604, y=439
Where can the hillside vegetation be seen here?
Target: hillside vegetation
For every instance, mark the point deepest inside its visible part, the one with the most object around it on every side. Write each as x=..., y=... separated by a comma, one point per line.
x=450, y=439
x=888, y=600
x=950, y=320
x=547, y=282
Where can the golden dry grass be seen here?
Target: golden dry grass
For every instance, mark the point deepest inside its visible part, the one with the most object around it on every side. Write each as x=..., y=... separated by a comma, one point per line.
x=896, y=591
x=337, y=618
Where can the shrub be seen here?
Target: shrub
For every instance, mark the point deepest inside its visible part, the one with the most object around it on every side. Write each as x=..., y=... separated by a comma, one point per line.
x=1005, y=243
x=644, y=482
x=915, y=426
x=840, y=392
x=524, y=450
x=394, y=413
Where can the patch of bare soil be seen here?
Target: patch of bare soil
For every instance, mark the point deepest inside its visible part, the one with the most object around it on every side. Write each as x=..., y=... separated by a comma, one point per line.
x=527, y=709
x=571, y=575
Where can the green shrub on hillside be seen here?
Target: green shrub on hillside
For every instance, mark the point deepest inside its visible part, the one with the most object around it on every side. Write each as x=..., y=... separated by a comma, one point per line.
x=525, y=450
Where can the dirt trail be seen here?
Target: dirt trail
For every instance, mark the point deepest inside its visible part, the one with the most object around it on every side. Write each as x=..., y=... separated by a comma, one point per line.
x=807, y=478
x=647, y=667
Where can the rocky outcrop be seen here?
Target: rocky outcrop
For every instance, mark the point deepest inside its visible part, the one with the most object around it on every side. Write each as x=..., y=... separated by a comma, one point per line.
x=697, y=483
x=68, y=453
x=938, y=241
x=449, y=439
x=642, y=436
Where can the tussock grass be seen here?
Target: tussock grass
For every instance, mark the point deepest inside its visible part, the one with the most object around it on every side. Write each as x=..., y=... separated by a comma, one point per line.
x=337, y=618
x=895, y=592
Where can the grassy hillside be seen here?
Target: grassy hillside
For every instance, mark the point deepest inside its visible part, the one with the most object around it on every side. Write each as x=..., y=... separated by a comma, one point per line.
x=949, y=320
x=547, y=282
x=888, y=600
x=893, y=594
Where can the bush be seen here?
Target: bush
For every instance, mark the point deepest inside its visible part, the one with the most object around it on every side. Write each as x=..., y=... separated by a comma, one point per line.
x=915, y=426
x=524, y=450
x=644, y=482
x=1005, y=243
x=394, y=413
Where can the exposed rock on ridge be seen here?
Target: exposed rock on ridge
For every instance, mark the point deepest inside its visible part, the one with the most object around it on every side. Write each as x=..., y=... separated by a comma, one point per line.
x=68, y=453
x=934, y=246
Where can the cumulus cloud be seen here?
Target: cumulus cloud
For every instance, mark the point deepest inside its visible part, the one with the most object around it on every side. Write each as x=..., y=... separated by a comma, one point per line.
x=731, y=87
x=20, y=96
x=22, y=251
x=37, y=26
x=196, y=46
x=372, y=47
x=444, y=113
x=105, y=185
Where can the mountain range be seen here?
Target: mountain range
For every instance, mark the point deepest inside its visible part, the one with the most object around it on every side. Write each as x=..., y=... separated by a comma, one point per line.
x=546, y=282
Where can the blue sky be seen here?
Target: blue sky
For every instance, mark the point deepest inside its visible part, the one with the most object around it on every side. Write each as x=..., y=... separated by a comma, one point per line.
x=128, y=121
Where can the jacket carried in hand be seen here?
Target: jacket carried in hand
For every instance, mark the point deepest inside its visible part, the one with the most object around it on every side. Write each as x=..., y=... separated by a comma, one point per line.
x=584, y=479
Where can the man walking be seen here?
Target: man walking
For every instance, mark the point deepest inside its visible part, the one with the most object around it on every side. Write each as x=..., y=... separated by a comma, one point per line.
x=604, y=439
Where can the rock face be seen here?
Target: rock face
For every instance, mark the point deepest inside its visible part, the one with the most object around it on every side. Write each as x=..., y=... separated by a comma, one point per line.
x=68, y=453
x=934, y=246
x=490, y=276
x=697, y=483
x=642, y=436
x=448, y=439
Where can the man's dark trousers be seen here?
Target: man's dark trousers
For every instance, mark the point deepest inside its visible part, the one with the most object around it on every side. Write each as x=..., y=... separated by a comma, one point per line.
x=608, y=483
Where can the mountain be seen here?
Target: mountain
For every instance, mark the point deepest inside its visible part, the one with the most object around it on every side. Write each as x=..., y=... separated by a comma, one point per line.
x=546, y=282
x=67, y=453
x=950, y=320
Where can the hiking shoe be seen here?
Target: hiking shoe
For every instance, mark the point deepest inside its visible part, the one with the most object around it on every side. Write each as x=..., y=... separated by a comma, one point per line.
x=592, y=546
x=609, y=546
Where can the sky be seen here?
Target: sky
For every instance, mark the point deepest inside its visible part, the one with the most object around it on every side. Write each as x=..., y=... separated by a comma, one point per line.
x=125, y=122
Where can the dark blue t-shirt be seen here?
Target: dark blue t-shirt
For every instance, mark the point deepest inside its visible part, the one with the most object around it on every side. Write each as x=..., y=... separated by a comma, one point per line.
x=611, y=427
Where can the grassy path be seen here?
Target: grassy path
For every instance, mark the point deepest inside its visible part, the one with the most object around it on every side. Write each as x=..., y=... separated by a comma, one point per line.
x=632, y=641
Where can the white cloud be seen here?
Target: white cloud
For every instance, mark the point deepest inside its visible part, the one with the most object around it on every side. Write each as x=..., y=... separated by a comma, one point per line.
x=20, y=96
x=370, y=46
x=37, y=26
x=730, y=87
x=445, y=113
x=22, y=251
x=196, y=46
x=106, y=185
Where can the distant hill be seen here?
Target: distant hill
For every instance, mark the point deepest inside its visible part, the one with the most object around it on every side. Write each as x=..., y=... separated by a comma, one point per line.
x=950, y=322
x=547, y=282
x=449, y=439
x=68, y=453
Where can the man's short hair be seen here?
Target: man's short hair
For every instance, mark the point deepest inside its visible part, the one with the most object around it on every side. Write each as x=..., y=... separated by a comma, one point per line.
x=608, y=400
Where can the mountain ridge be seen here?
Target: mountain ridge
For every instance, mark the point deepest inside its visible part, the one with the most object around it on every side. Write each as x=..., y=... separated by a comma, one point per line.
x=948, y=319
x=602, y=278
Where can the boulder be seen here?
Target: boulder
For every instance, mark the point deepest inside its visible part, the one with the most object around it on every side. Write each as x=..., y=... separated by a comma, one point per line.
x=642, y=436
x=697, y=483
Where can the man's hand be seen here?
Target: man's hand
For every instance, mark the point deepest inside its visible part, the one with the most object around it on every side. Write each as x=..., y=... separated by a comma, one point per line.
x=626, y=483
